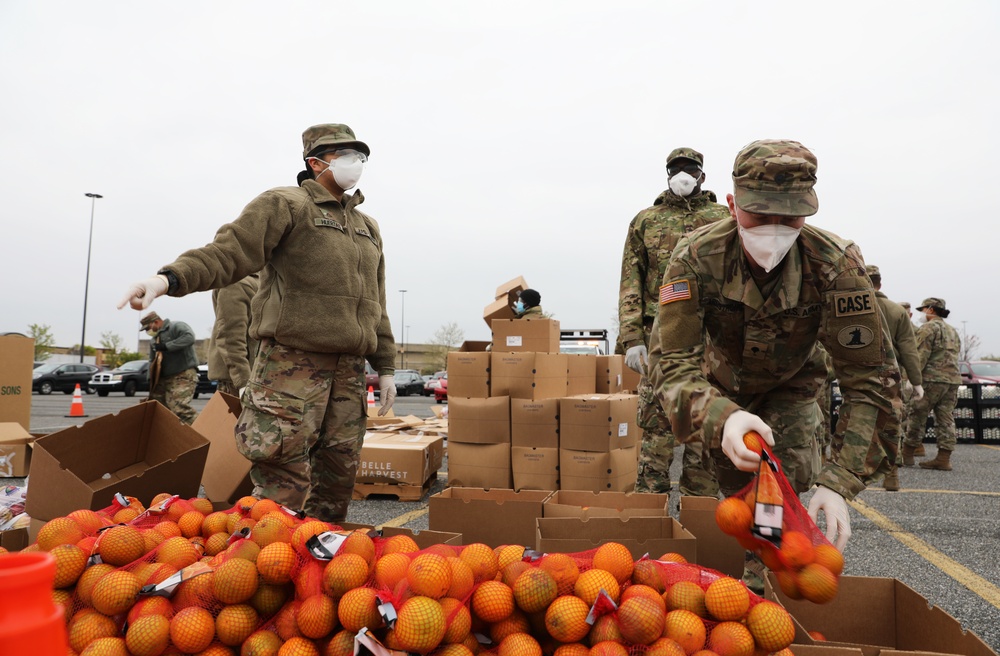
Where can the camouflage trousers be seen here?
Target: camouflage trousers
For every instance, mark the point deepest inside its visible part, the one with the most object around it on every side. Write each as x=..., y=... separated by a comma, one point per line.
x=941, y=399
x=302, y=427
x=226, y=387
x=176, y=393
x=656, y=454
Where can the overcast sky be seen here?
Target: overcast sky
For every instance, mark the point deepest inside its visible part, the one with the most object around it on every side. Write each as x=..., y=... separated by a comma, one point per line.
x=514, y=138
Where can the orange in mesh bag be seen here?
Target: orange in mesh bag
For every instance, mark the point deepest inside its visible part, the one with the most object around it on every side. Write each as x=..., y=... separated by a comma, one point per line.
x=766, y=517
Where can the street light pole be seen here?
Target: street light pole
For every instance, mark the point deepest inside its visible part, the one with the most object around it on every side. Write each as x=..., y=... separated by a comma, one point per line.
x=86, y=281
x=402, y=328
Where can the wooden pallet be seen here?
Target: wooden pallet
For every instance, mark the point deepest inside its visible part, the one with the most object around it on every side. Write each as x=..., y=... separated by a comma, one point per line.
x=403, y=492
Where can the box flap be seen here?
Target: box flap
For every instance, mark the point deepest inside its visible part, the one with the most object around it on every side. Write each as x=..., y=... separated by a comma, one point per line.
x=12, y=432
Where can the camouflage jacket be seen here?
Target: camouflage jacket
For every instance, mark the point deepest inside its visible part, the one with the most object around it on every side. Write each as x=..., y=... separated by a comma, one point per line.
x=231, y=351
x=534, y=312
x=178, y=337
x=938, y=345
x=903, y=341
x=719, y=346
x=322, y=282
x=651, y=239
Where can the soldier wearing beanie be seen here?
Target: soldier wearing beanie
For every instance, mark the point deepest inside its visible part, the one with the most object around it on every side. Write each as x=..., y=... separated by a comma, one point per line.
x=938, y=345
x=742, y=306
x=319, y=314
x=652, y=235
x=903, y=342
x=529, y=305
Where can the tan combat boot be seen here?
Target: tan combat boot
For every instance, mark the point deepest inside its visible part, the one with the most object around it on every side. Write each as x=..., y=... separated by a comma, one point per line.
x=891, y=482
x=920, y=452
x=941, y=461
x=908, y=452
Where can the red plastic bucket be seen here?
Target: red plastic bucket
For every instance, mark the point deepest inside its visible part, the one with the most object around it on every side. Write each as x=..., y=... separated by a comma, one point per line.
x=30, y=621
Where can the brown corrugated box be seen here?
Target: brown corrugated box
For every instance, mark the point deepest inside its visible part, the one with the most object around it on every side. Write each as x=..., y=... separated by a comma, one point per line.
x=655, y=536
x=479, y=465
x=525, y=335
x=609, y=374
x=534, y=423
x=581, y=373
x=598, y=422
x=598, y=471
x=400, y=458
x=17, y=357
x=505, y=295
x=469, y=370
x=15, y=450
x=528, y=375
x=493, y=517
x=534, y=467
x=586, y=504
x=227, y=471
x=715, y=549
x=478, y=421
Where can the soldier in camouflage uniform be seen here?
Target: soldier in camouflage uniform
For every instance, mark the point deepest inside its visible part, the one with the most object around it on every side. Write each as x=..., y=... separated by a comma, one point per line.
x=938, y=345
x=178, y=365
x=231, y=350
x=743, y=305
x=528, y=305
x=652, y=236
x=905, y=346
x=319, y=314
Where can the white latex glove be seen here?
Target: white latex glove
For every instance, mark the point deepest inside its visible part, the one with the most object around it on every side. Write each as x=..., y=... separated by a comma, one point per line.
x=838, y=520
x=635, y=358
x=386, y=392
x=918, y=392
x=907, y=387
x=739, y=424
x=141, y=294
x=239, y=394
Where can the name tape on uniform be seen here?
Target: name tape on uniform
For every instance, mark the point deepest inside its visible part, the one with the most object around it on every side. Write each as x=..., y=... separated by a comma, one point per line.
x=849, y=304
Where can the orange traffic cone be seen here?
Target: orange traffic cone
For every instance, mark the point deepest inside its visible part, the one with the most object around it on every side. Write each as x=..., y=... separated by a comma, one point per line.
x=30, y=623
x=76, y=409
x=371, y=396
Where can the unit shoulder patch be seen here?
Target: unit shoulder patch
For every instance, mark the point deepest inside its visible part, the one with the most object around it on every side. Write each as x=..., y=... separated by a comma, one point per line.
x=855, y=337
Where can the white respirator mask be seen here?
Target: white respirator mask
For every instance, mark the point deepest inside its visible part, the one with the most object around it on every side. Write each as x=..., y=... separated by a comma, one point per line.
x=346, y=168
x=682, y=184
x=769, y=244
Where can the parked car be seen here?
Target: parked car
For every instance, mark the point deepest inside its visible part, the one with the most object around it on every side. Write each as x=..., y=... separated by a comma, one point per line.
x=408, y=382
x=204, y=386
x=432, y=382
x=441, y=391
x=371, y=378
x=62, y=377
x=980, y=371
x=129, y=378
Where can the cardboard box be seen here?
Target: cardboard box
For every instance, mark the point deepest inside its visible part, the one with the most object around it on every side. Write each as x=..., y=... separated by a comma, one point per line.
x=534, y=423
x=598, y=422
x=596, y=471
x=528, y=375
x=511, y=289
x=479, y=421
x=400, y=458
x=15, y=450
x=630, y=380
x=609, y=374
x=493, y=517
x=227, y=471
x=581, y=373
x=716, y=550
x=15, y=539
x=586, y=504
x=876, y=615
x=642, y=535
x=525, y=335
x=469, y=370
x=424, y=539
x=17, y=358
x=479, y=465
x=141, y=451
x=534, y=467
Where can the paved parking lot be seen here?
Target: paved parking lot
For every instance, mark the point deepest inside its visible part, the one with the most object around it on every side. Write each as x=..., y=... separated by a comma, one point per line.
x=940, y=535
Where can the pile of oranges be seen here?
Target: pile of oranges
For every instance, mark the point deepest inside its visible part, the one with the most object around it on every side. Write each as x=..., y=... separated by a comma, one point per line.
x=804, y=570
x=251, y=587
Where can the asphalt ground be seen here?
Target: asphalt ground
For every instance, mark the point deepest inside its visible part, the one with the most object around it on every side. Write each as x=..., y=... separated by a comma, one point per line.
x=940, y=534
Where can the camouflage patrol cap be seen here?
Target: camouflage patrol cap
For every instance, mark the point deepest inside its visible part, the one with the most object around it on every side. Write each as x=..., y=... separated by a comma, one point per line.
x=775, y=177
x=145, y=322
x=905, y=304
x=686, y=153
x=332, y=135
x=872, y=270
x=936, y=303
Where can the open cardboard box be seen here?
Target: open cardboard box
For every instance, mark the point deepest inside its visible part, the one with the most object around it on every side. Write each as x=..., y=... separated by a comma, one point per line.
x=655, y=536
x=493, y=517
x=141, y=451
x=716, y=550
x=227, y=471
x=584, y=504
x=15, y=450
x=424, y=539
x=878, y=616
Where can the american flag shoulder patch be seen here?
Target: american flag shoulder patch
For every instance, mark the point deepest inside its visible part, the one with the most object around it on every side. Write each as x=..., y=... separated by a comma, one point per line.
x=678, y=290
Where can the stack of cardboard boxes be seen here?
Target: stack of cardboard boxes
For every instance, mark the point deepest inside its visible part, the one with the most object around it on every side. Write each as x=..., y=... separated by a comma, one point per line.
x=524, y=416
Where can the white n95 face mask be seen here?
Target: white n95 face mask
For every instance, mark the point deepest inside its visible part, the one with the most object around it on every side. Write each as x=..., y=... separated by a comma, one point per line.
x=682, y=183
x=347, y=172
x=769, y=244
